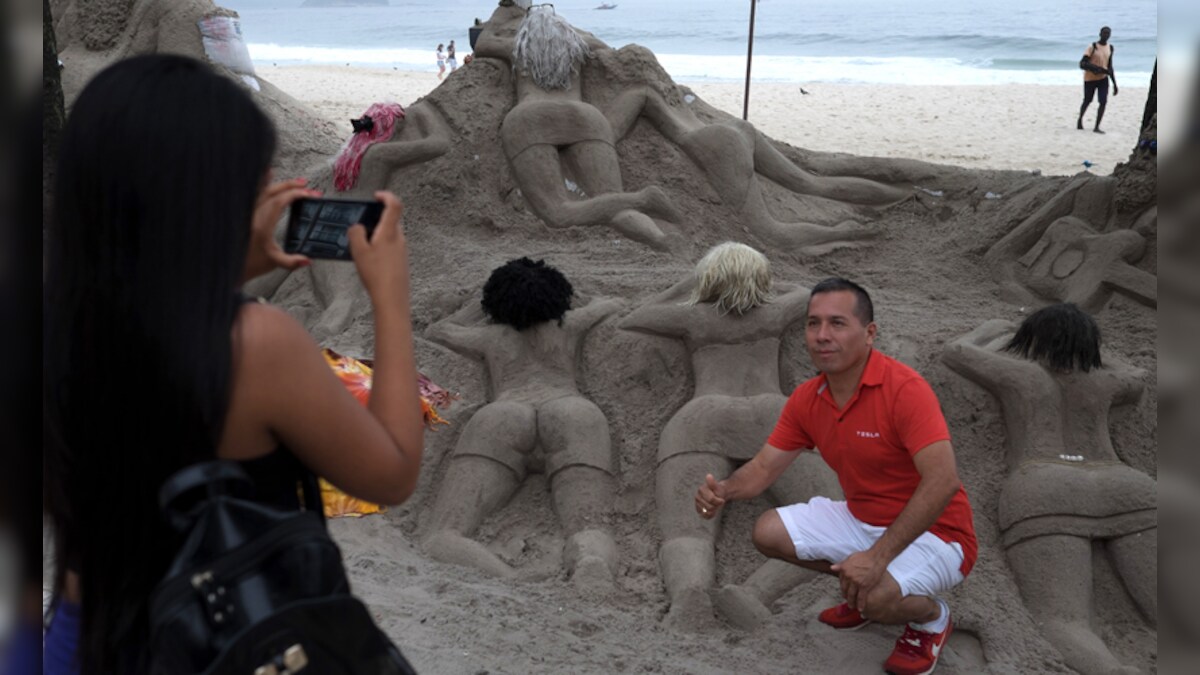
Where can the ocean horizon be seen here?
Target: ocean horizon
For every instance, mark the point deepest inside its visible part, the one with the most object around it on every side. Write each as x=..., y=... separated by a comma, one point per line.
x=922, y=42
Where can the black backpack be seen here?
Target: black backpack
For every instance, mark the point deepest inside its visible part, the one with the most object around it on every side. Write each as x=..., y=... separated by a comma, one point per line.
x=1085, y=63
x=257, y=589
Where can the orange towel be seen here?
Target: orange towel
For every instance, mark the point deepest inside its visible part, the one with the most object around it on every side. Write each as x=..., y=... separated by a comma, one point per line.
x=356, y=375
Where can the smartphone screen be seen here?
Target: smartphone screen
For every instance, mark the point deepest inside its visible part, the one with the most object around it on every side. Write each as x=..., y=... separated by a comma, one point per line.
x=318, y=228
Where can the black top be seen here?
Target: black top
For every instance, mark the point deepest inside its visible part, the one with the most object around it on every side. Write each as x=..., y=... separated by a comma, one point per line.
x=280, y=479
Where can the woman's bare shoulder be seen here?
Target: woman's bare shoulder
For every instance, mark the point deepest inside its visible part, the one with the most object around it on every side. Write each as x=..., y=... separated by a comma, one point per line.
x=269, y=335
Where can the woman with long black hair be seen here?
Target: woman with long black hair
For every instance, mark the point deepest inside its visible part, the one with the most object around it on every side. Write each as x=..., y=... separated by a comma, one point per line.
x=153, y=359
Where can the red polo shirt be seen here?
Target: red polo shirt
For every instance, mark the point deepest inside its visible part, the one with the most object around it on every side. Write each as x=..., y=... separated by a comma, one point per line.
x=870, y=444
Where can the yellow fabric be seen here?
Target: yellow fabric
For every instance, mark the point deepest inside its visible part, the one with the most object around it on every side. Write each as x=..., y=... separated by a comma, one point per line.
x=338, y=504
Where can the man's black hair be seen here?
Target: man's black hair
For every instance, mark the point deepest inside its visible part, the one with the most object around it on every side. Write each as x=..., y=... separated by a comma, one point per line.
x=523, y=293
x=1062, y=337
x=864, y=309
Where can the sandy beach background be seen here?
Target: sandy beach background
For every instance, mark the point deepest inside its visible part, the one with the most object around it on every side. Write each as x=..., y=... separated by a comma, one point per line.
x=1023, y=127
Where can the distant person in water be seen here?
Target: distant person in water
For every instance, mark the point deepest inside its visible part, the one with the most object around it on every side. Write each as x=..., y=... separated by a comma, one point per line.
x=441, y=61
x=451, y=58
x=1097, y=65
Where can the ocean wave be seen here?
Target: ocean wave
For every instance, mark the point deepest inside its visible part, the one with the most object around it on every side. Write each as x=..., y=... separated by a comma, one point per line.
x=766, y=68
x=1028, y=64
x=850, y=70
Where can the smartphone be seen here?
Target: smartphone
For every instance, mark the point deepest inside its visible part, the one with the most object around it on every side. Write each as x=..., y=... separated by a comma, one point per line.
x=319, y=228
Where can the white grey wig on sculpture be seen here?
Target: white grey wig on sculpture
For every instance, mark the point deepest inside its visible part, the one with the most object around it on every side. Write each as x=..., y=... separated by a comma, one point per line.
x=547, y=48
x=734, y=277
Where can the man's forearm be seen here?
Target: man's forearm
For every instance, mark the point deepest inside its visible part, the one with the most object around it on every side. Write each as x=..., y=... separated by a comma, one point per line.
x=748, y=482
x=922, y=511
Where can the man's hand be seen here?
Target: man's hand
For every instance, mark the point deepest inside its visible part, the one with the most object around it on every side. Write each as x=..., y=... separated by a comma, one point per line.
x=1116, y=89
x=859, y=573
x=710, y=497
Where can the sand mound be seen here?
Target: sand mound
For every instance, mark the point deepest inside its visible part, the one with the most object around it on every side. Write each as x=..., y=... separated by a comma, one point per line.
x=91, y=34
x=466, y=215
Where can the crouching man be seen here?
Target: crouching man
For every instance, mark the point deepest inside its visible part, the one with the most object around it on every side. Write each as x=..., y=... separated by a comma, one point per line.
x=905, y=533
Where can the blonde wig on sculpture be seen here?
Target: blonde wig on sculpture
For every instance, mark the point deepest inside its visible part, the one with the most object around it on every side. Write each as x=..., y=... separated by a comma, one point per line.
x=733, y=276
x=548, y=49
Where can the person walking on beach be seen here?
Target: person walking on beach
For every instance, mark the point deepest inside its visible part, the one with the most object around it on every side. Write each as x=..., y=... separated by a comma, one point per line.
x=1097, y=65
x=905, y=533
x=451, y=58
x=441, y=60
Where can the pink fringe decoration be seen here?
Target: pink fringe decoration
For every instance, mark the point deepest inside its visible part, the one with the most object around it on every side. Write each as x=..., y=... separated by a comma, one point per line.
x=433, y=393
x=349, y=161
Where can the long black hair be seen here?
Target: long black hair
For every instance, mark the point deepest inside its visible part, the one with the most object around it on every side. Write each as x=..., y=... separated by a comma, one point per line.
x=160, y=164
x=1062, y=336
x=523, y=293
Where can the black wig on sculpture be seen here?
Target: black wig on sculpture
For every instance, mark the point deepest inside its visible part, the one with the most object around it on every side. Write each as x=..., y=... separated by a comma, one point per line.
x=1062, y=337
x=523, y=293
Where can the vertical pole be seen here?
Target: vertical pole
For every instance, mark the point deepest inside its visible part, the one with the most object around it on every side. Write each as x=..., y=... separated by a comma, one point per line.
x=749, y=56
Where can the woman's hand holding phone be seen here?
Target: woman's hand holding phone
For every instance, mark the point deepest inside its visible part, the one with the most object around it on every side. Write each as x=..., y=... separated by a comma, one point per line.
x=264, y=253
x=382, y=261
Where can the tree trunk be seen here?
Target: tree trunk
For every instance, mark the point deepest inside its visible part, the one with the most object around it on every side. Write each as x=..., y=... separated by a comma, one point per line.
x=52, y=107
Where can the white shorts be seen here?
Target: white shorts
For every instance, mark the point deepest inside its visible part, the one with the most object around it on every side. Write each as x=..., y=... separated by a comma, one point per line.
x=824, y=529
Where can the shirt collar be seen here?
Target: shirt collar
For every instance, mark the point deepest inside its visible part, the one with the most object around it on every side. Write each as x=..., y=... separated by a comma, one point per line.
x=872, y=376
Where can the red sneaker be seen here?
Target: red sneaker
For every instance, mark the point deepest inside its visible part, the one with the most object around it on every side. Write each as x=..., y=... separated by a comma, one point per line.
x=843, y=617
x=917, y=652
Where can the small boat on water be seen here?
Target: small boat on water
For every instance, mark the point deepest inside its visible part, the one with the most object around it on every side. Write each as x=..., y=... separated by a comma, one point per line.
x=607, y=6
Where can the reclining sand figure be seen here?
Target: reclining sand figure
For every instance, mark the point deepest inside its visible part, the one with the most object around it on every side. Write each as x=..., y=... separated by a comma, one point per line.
x=530, y=346
x=1066, y=487
x=733, y=331
x=733, y=154
x=552, y=135
x=1057, y=256
x=422, y=135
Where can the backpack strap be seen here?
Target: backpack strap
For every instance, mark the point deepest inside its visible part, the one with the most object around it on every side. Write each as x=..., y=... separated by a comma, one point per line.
x=217, y=477
x=312, y=494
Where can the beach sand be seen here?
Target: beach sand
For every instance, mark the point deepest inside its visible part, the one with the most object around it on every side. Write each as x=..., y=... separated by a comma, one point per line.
x=1009, y=126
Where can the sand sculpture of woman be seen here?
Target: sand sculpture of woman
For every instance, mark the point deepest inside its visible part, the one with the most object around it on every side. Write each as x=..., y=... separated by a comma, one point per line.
x=420, y=134
x=529, y=339
x=733, y=330
x=1066, y=487
x=552, y=136
x=1060, y=257
x=733, y=154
